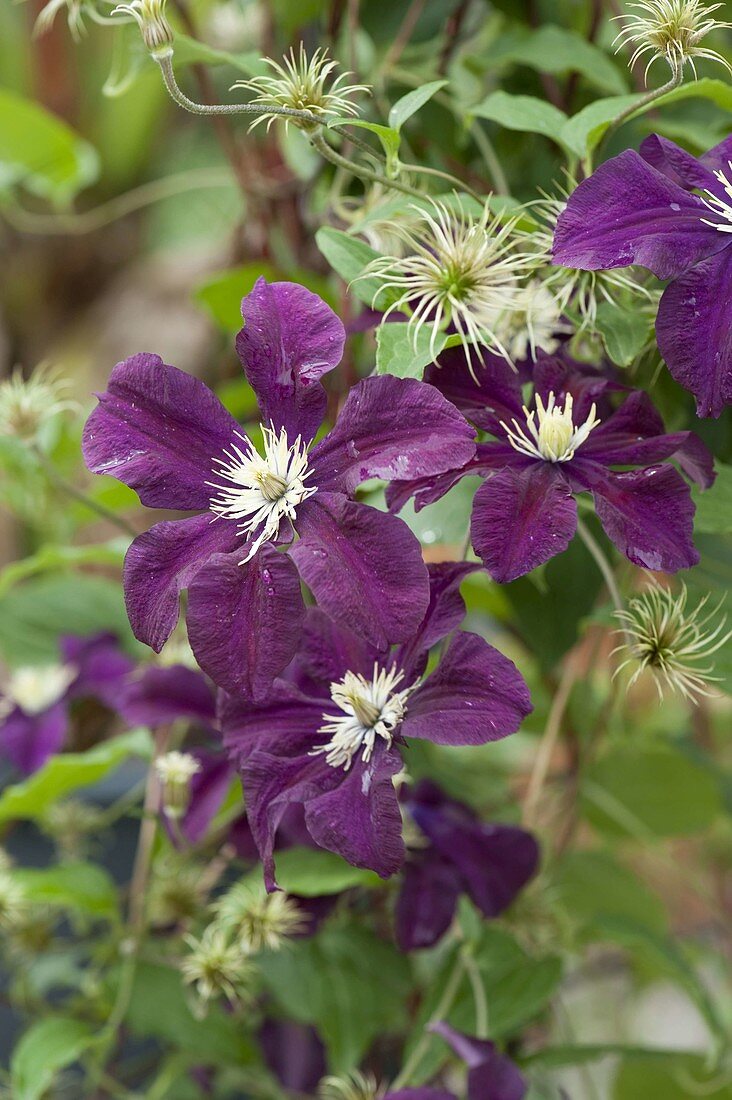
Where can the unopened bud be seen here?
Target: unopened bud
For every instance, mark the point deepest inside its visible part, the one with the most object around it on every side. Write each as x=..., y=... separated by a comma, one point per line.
x=175, y=771
x=150, y=17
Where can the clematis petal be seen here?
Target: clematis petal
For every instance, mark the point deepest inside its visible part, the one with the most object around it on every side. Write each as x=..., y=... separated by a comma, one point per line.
x=420, y=1093
x=445, y=613
x=286, y=724
x=495, y=455
x=102, y=666
x=648, y=514
x=474, y=695
x=328, y=650
x=158, y=430
x=160, y=695
x=209, y=788
x=29, y=740
x=718, y=157
x=244, y=620
x=491, y=1076
x=493, y=395
x=521, y=519
x=160, y=564
x=676, y=163
x=426, y=903
x=364, y=567
x=290, y=339
x=694, y=332
x=629, y=213
x=395, y=429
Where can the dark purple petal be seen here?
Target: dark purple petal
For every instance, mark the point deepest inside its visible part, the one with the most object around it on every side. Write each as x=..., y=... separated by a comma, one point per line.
x=648, y=514
x=290, y=339
x=159, y=695
x=161, y=563
x=445, y=613
x=364, y=567
x=393, y=428
x=102, y=666
x=491, y=1076
x=718, y=157
x=244, y=620
x=426, y=903
x=494, y=394
x=629, y=213
x=561, y=375
x=158, y=430
x=209, y=788
x=474, y=695
x=328, y=650
x=521, y=519
x=294, y=1053
x=488, y=457
x=675, y=163
x=694, y=332
x=28, y=740
x=286, y=724
x=421, y=1093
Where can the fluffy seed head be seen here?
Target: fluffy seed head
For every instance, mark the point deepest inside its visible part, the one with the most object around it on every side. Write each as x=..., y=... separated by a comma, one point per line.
x=673, y=643
x=356, y=1086
x=257, y=920
x=458, y=270
x=73, y=826
x=13, y=903
x=670, y=30
x=303, y=83
x=215, y=967
x=26, y=404
x=550, y=432
x=150, y=17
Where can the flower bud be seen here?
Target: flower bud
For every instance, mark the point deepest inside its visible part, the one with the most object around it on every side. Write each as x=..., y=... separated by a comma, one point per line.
x=175, y=771
x=150, y=17
x=215, y=968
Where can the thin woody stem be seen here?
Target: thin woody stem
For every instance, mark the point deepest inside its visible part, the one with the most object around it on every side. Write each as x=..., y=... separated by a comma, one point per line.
x=676, y=79
x=549, y=741
x=318, y=142
x=67, y=487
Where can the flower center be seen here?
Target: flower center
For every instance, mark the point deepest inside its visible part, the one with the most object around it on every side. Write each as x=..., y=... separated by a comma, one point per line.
x=719, y=206
x=367, y=709
x=36, y=689
x=260, y=491
x=550, y=433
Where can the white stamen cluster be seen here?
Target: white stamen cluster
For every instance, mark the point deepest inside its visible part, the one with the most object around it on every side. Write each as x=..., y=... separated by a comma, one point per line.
x=175, y=770
x=37, y=687
x=257, y=920
x=74, y=16
x=154, y=27
x=535, y=323
x=669, y=641
x=670, y=31
x=717, y=205
x=368, y=709
x=261, y=491
x=26, y=404
x=458, y=270
x=550, y=432
x=303, y=84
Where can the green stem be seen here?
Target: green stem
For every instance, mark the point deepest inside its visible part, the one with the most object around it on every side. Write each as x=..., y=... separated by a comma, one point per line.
x=479, y=998
x=444, y=1005
x=318, y=142
x=77, y=494
x=602, y=563
x=637, y=108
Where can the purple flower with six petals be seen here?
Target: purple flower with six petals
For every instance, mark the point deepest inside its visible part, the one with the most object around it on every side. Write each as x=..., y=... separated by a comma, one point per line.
x=328, y=736
x=641, y=208
x=166, y=435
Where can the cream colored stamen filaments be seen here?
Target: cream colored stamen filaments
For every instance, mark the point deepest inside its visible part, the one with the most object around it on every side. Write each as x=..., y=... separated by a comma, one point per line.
x=717, y=205
x=259, y=491
x=368, y=709
x=550, y=433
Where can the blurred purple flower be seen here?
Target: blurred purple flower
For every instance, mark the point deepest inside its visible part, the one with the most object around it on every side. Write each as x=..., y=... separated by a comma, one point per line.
x=639, y=208
x=35, y=701
x=328, y=736
x=491, y=863
x=570, y=441
x=491, y=1076
x=166, y=435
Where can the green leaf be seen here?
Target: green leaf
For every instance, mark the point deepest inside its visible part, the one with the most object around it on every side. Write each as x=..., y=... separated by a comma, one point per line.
x=314, y=872
x=714, y=506
x=189, y=51
x=41, y=153
x=221, y=294
x=350, y=984
x=676, y=1076
x=45, y=1048
x=348, y=256
x=592, y=884
x=70, y=772
x=624, y=332
x=558, y=51
x=523, y=112
x=396, y=352
x=389, y=138
x=410, y=103
x=51, y=558
x=82, y=886
x=649, y=790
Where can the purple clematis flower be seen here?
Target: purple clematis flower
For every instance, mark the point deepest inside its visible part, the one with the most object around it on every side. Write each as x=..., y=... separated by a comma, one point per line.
x=328, y=736
x=569, y=440
x=491, y=1075
x=164, y=433
x=665, y=210
x=490, y=862
x=35, y=701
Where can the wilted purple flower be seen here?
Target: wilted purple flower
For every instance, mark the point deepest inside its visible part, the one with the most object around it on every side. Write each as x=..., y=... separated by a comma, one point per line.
x=568, y=440
x=491, y=1075
x=490, y=862
x=35, y=701
x=639, y=208
x=166, y=434
x=328, y=735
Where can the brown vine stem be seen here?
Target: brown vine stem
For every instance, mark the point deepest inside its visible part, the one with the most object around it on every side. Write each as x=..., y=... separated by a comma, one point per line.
x=549, y=739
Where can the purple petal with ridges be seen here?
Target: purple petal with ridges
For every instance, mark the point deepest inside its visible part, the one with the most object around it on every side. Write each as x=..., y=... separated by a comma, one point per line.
x=648, y=514
x=629, y=213
x=363, y=566
x=445, y=613
x=158, y=430
x=521, y=519
x=676, y=163
x=161, y=563
x=290, y=339
x=102, y=666
x=29, y=740
x=395, y=429
x=156, y=696
x=488, y=457
x=474, y=695
x=328, y=650
x=244, y=620
x=491, y=1076
x=286, y=724
x=426, y=903
x=209, y=788
x=694, y=331
x=719, y=156
x=493, y=395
